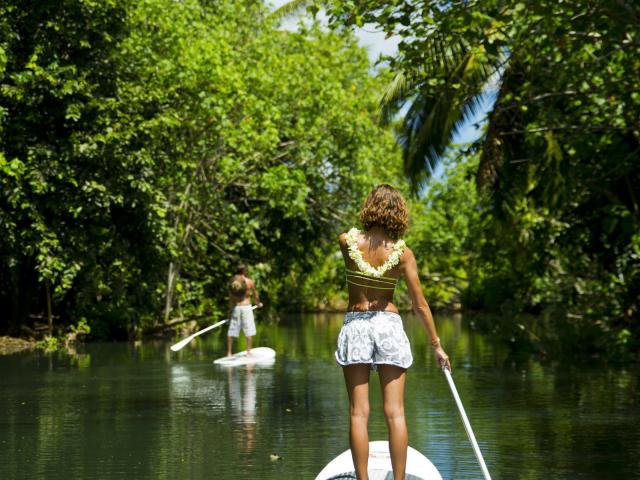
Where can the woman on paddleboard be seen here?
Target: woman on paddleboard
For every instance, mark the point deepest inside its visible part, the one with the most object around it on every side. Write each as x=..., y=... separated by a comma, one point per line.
x=372, y=336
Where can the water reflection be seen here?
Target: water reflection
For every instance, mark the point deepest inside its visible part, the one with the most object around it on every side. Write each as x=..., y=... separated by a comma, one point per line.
x=192, y=387
x=242, y=394
x=242, y=397
x=140, y=411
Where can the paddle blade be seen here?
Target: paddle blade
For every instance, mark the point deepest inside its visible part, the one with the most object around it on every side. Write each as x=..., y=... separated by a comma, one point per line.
x=181, y=344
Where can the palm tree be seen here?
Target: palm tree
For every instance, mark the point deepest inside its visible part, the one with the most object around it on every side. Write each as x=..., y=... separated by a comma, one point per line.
x=437, y=99
x=444, y=95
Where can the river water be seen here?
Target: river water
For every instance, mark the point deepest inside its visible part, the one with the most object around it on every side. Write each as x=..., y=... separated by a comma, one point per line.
x=126, y=410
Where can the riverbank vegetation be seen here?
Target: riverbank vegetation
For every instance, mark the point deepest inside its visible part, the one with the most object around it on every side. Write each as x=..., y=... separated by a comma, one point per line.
x=148, y=147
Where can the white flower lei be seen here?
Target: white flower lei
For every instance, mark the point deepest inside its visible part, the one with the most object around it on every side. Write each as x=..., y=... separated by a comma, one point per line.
x=363, y=266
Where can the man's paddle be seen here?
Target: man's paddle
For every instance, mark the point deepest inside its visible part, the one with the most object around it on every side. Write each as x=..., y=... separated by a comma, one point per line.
x=182, y=343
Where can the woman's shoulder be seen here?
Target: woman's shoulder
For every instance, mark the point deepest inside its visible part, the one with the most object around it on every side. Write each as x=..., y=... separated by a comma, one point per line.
x=407, y=253
x=343, y=241
x=344, y=237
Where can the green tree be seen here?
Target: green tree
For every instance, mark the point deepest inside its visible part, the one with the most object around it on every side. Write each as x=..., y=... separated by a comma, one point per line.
x=57, y=188
x=447, y=231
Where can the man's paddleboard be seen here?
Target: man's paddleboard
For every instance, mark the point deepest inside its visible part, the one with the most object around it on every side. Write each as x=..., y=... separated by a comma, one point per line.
x=259, y=356
x=418, y=466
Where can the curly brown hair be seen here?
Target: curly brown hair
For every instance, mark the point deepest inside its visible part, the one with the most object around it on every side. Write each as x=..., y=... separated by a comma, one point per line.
x=385, y=207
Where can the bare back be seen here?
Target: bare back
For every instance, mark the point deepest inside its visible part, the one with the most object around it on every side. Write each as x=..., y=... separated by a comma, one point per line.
x=370, y=294
x=250, y=292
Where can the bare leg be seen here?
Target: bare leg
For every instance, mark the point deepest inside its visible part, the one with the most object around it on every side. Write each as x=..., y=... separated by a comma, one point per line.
x=392, y=380
x=249, y=342
x=357, y=379
x=229, y=345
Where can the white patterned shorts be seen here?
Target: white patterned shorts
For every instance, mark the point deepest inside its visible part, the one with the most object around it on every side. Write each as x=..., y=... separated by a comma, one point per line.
x=373, y=337
x=242, y=316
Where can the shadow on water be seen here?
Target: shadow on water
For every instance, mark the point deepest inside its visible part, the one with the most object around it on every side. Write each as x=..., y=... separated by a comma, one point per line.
x=142, y=411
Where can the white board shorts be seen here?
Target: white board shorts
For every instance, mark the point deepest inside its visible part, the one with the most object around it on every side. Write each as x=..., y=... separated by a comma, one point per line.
x=242, y=317
x=373, y=337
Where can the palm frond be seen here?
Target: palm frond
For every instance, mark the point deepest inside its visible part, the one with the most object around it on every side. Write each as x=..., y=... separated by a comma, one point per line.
x=290, y=8
x=493, y=145
x=394, y=96
x=429, y=136
x=435, y=117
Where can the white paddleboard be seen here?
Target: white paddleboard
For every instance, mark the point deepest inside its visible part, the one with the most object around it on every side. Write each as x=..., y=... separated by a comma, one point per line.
x=259, y=356
x=418, y=466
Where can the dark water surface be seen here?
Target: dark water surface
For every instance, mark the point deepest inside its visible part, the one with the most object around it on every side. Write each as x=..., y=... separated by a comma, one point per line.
x=141, y=411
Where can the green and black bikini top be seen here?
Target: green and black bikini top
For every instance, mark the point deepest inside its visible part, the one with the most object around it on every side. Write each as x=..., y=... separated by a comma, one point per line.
x=368, y=276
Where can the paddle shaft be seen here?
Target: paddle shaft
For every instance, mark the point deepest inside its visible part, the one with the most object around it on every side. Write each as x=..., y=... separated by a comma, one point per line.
x=185, y=341
x=467, y=425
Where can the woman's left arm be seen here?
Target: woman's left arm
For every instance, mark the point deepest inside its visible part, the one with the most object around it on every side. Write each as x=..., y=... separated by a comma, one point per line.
x=421, y=307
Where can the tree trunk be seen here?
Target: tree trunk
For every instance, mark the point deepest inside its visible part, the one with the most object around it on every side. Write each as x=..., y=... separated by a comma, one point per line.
x=14, y=324
x=171, y=282
x=49, y=315
x=174, y=268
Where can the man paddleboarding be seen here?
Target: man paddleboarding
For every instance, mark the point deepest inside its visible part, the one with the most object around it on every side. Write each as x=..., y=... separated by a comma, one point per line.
x=241, y=290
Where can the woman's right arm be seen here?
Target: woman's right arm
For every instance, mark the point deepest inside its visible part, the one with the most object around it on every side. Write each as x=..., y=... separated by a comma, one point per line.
x=421, y=307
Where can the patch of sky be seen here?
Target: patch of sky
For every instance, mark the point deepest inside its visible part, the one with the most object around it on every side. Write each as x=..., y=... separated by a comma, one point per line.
x=372, y=40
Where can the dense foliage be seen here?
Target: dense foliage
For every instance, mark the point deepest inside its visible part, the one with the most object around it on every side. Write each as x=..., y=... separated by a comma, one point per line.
x=559, y=161
x=445, y=232
x=148, y=147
